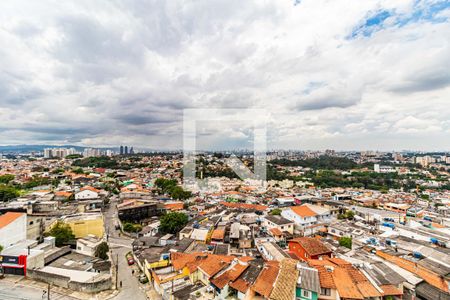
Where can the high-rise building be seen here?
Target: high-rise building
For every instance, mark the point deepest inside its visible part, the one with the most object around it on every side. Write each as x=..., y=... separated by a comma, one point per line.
x=126, y=150
x=90, y=152
x=131, y=150
x=121, y=150
x=58, y=152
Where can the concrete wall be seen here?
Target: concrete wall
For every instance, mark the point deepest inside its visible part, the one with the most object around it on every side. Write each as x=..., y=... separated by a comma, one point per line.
x=98, y=285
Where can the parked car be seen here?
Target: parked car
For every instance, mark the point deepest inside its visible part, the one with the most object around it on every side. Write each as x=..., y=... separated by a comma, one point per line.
x=130, y=261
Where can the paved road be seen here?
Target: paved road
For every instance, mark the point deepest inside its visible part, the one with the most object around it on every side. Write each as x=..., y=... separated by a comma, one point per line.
x=120, y=245
x=16, y=291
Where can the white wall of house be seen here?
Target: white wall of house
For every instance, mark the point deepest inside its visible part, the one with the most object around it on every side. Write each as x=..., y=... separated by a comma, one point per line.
x=298, y=220
x=285, y=227
x=14, y=232
x=86, y=194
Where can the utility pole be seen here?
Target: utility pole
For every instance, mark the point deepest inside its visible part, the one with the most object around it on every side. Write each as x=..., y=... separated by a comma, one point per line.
x=48, y=292
x=117, y=269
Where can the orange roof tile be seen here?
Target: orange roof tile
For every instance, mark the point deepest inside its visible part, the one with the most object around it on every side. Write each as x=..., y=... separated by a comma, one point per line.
x=240, y=285
x=63, y=194
x=311, y=245
x=266, y=279
x=391, y=290
x=244, y=206
x=218, y=234
x=9, y=217
x=275, y=231
x=303, y=211
x=174, y=206
x=90, y=188
x=349, y=281
x=230, y=275
x=212, y=264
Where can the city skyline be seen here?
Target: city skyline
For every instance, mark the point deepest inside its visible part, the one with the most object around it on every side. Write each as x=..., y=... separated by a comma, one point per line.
x=371, y=75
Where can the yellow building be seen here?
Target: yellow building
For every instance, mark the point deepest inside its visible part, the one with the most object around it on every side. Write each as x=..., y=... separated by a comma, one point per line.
x=85, y=224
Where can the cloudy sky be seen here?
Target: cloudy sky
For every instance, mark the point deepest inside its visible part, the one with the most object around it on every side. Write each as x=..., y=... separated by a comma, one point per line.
x=341, y=74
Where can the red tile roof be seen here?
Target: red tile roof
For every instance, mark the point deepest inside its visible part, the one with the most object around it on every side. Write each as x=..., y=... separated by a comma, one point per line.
x=212, y=264
x=266, y=279
x=311, y=245
x=218, y=234
x=244, y=206
x=349, y=281
x=174, y=206
x=303, y=211
x=229, y=275
x=275, y=231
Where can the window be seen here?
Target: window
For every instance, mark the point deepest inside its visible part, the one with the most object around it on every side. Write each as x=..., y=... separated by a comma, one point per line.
x=306, y=294
x=325, y=292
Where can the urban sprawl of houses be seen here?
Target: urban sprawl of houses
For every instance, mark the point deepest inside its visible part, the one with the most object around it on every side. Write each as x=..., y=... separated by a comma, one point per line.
x=323, y=225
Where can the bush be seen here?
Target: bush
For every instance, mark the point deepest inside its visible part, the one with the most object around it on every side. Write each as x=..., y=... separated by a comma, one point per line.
x=62, y=233
x=276, y=212
x=102, y=251
x=346, y=242
x=130, y=227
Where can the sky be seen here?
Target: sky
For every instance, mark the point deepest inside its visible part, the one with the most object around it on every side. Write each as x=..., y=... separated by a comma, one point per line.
x=331, y=74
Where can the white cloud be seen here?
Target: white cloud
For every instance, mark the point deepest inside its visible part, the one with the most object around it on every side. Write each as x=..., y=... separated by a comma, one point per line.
x=106, y=72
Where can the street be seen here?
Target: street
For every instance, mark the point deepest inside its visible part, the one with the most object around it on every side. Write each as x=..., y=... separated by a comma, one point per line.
x=120, y=246
x=10, y=290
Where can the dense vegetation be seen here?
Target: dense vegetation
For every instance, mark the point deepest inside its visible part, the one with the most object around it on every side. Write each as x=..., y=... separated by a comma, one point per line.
x=130, y=227
x=320, y=163
x=96, y=162
x=171, y=188
x=367, y=180
x=8, y=192
x=74, y=156
x=7, y=178
x=173, y=222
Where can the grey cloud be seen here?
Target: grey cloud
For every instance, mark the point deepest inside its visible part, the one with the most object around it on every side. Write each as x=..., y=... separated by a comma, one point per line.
x=424, y=81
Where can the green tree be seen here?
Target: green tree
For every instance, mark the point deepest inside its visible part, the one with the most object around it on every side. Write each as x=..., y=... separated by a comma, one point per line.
x=62, y=233
x=6, y=178
x=78, y=171
x=8, y=193
x=74, y=156
x=173, y=222
x=102, y=250
x=349, y=215
x=346, y=242
x=1, y=248
x=130, y=227
x=276, y=212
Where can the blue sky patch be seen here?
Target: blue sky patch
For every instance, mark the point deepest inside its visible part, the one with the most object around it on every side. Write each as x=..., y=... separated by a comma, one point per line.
x=423, y=11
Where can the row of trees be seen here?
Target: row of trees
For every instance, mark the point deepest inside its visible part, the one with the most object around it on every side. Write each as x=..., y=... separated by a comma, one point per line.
x=319, y=163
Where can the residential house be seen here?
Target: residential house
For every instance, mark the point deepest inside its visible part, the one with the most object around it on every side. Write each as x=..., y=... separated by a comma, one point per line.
x=308, y=283
x=309, y=248
x=279, y=222
x=87, y=193
x=88, y=245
